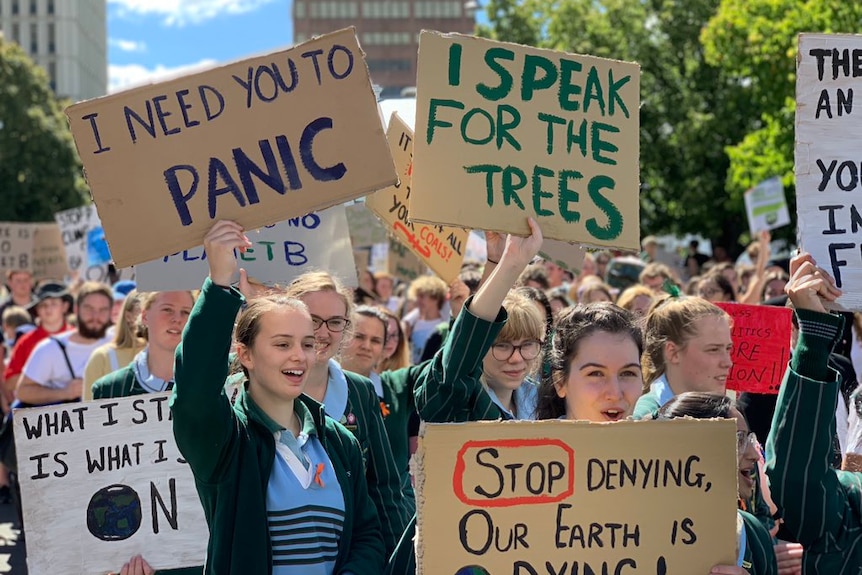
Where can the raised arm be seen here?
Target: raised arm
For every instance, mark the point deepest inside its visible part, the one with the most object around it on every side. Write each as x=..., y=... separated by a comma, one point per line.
x=450, y=390
x=204, y=423
x=803, y=485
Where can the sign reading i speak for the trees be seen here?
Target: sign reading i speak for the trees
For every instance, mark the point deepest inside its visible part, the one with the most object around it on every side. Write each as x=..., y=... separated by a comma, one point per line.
x=828, y=150
x=506, y=131
x=441, y=247
x=532, y=498
x=257, y=142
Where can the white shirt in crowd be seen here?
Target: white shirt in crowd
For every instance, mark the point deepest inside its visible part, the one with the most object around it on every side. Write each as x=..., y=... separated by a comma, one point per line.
x=47, y=366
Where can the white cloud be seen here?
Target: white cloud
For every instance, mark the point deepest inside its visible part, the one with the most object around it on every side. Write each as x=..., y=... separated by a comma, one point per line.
x=127, y=45
x=183, y=12
x=125, y=76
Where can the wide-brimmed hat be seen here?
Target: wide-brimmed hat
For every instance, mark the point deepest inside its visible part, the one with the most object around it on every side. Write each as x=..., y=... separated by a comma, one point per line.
x=48, y=290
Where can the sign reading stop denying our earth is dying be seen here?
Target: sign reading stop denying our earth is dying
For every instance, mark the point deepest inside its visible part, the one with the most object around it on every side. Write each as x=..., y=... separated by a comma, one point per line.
x=104, y=481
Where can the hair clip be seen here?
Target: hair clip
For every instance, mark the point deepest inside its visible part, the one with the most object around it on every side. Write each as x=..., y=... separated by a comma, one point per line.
x=671, y=288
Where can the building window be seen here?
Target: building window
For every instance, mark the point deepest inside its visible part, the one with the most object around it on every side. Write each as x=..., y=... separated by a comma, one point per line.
x=300, y=9
x=34, y=38
x=445, y=9
x=381, y=65
x=333, y=9
x=52, y=74
x=383, y=9
x=50, y=6
x=52, y=40
x=15, y=7
x=16, y=33
x=33, y=7
x=386, y=38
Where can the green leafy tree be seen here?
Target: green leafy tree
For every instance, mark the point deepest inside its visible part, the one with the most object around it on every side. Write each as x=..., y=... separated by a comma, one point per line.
x=691, y=109
x=40, y=172
x=755, y=42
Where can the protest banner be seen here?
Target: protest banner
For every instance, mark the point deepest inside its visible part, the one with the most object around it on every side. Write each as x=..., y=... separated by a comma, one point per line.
x=402, y=263
x=104, y=481
x=16, y=247
x=365, y=229
x=827, y=158
x=761, y=346
x=567, y=256
x=507, y=131
x=257, y=142
x=49, y=255
x=75, y=227
x=766, y=206
x=280, y=253
x=440, y=247
x=535, y=498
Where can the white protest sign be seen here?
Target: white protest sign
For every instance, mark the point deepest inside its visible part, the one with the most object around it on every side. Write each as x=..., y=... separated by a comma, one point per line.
x=565, y=255
x=766, y=206
x=75, y=227
x=280, y=253
x=827, y=158
x=104, y=481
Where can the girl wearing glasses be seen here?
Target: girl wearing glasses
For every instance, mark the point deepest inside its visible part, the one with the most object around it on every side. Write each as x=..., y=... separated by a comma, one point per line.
x=350, y=399
x=756, y=554
x=282, y=486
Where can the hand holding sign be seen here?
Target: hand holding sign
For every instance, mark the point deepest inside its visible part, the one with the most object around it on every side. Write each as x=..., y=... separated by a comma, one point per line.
x=220, y=243
x=810, y=287
x=519, y=251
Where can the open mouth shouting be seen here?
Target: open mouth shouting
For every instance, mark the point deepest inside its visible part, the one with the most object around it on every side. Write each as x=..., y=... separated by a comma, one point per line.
x=613, y=414
x=294, y=375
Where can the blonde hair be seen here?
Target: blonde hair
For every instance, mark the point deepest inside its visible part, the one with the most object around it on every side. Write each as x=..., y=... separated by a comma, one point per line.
x=628, y=297
x=127, y=335
x=147, y=299
x=586, y=291
x=248, y=324
x=313, y=282
x=428, y=285
x=525, y=321
x=672, y=319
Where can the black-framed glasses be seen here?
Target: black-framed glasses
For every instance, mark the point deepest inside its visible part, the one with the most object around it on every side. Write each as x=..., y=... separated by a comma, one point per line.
x=503, y=350
x=335, y=324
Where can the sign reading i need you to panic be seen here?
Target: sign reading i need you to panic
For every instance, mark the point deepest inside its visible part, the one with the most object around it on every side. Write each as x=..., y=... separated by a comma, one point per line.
x=440, y=247
x=257, y=141
x=829, y=71
x=505, y=131
x=104, y=481
x=535, y=498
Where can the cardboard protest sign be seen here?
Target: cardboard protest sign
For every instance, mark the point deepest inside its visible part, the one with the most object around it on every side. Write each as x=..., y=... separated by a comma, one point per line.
x=16, y=247
x=761, y=346
x=280, y=253
x=258, y=142
x=440, y=247
x=76, y=226
x=532, y=498
x=827, y=159
x=565, y=255
x=49, y=255
x=766, y=206
x=104, y=481
x=365, y=229
x=507, y=131
x=402, y=263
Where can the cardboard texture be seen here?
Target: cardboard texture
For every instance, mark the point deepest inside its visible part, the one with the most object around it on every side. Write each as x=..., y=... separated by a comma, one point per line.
x=101, y=482
x=16, y=247
x=49, y=254
x=766, y=206
x=402, y=263
x=761, y=347
x=827, y=159
x=365, y=229
x=257, y=142
x=565, y=255
x=280, y=253
x=440, y=247
x=507, y=131
x=529, y=498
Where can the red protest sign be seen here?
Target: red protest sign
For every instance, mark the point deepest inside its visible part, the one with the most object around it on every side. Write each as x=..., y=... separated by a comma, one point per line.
x=761, y=346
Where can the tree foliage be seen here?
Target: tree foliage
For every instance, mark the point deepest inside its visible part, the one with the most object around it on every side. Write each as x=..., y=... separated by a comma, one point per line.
x=691, y=109
x=40, y=172
x=755, y=41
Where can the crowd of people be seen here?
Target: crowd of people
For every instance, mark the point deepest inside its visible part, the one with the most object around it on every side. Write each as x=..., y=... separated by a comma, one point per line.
x=298, y=407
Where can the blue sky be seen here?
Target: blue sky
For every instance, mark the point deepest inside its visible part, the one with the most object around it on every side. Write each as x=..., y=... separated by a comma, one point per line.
x=151, y=39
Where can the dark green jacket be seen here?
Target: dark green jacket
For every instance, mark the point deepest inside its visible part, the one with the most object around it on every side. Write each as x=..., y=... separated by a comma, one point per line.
x=821, y=506
x=388, y=487
x=759, y=556
x=398, y=387
x=450, y=390
x=231, y=450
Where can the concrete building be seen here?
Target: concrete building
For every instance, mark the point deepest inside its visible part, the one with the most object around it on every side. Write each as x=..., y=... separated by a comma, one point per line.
x=388, y=30
x=66, y=37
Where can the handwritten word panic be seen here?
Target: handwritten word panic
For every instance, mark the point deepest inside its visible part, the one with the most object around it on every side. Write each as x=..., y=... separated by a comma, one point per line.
x=280, y=174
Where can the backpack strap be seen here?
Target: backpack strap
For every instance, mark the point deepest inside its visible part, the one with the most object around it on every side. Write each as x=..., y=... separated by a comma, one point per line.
x=65, y=356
